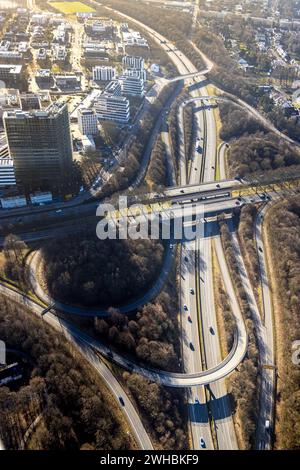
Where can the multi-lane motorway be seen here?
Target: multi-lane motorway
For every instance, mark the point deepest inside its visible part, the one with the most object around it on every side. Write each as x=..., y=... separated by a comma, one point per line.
x=209, y=407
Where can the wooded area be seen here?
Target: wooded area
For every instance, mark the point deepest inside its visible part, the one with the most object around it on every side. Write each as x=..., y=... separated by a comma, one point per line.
x=283, y=232
x=157, y=171
x=85, y=270
x=252, y=149
x=244, y=383
x=163, y=410
x=66, y=392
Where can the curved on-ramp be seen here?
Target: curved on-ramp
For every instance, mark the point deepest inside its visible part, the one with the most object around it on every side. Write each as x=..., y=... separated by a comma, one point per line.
x=170, y=379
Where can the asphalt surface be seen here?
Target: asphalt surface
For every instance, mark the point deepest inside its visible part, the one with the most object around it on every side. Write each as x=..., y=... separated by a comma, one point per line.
x=267, y=398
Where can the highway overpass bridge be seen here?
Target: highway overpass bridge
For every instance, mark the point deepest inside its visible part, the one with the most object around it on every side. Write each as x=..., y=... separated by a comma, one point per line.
x=205, y=200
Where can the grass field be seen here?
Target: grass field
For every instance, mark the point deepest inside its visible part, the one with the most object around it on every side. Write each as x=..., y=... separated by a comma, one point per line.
x=71, y=8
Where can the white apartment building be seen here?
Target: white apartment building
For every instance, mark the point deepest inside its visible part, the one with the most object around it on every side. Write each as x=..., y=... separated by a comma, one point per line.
x=113, y=88
x=112, y=108
x=7, y=172
x=132, y=86
x=137, y=73
x=133, y=62
x=103, y=74
x=87, y=122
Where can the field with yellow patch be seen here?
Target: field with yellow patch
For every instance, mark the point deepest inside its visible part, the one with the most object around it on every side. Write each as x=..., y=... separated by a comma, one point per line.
x=71, y=8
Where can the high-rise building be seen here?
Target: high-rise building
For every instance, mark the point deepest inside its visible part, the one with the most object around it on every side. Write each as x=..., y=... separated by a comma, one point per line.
x=113, y=88
x=40, y=145
x=87, y=122
x=137, y=73
x=133, y=62
x=132, y=86
x=7, y=172
x=103, y=74
x=112, y=108
x=10, y=74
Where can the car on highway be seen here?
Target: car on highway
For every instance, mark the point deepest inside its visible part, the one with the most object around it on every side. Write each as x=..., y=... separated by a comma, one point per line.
x=189, y=319
x=121, y=401
x=192, y=291
x=197, y=400
x=192, y=347
x=202, y=443
x=211, y=330
x=185, y=307
x=218, y=186
x=260, y=249
x=186, y=259
x=58, y=211
x=182, y=190
x=267, y=425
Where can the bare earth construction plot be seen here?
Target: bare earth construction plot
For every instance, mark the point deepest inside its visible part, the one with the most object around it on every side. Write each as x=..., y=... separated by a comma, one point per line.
x=71, y=8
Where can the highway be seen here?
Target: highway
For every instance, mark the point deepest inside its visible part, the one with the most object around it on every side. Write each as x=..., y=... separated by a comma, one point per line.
x=83, y=346
x=199, y=319
x=264, y=337
x=216, y=394
x=169, y=379
x=267, y=403
x=195, y=265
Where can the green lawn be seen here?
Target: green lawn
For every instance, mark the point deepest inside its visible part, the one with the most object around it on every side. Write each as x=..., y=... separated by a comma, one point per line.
x=70, y=8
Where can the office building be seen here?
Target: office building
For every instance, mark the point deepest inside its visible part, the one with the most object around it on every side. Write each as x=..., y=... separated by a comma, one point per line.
x=7, y=172
x=60, y=52
x=113, y=88
x=68, y=82
x=13, y=202
x=30, y=101
x=137, y=73
x=133, y=62
x=132, y=86
x=112, y=108
x=87, y=122
x=40, y=145
x=41, y=198
x=44, y=78
x=10, y=74
x=103, y=74
x=88, y=143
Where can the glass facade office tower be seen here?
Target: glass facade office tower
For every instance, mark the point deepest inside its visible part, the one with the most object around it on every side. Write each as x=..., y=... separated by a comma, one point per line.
x=40, y=145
